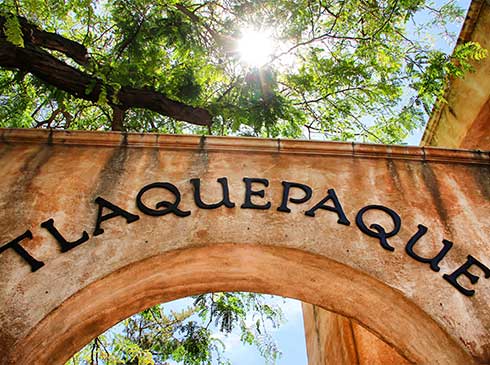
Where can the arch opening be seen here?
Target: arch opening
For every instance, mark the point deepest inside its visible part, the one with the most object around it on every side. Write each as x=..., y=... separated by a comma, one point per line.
x=229, y=267
x=221, y=327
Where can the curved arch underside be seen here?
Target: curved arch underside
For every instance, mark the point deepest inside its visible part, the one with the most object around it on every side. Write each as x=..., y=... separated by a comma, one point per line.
x=292, y=222
x=272, y=270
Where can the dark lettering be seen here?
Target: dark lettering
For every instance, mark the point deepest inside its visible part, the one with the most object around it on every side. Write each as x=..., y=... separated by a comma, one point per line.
x=168, y=206
x=249, y=193
x=463, y=270
x=285, y=195
x=337, y=207
x=116, y=212
x=375, y=229
x=434, y=262
x=196, y=183
x=15, y=245
x=65, y=245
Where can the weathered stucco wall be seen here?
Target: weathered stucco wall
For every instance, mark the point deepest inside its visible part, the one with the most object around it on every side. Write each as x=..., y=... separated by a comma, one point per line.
x=463, y=121
x=48, y=314
x=337, y=340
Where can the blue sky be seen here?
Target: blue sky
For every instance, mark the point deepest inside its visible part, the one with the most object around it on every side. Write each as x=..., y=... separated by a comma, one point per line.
x=440, y=43
x=289, y=336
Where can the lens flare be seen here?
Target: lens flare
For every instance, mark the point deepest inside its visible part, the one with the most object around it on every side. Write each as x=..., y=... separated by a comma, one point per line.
x=255, y=47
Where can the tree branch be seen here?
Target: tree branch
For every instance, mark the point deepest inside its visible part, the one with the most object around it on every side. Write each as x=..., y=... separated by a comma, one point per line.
x=330, y=35
x=340, y=91
x=127, y=42
x=50, y=120
x=117, y=121
x=40, y=38
x=81, y=85
x=227, y=42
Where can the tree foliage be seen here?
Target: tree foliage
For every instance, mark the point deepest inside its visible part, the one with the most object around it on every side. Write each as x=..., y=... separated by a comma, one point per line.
x=348, y=69
x=189, y=336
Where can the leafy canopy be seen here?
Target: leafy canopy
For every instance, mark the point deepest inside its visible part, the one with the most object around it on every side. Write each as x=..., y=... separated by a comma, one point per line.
x=189, y=336
x=348, y=69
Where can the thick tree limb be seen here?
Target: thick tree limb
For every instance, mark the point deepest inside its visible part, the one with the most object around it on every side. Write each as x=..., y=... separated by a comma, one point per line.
x=81, y=85
x=40, y=38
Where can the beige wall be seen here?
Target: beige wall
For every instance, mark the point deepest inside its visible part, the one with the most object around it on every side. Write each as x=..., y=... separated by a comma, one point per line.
x=48, y=314
x=464, y=120
x=335, y=339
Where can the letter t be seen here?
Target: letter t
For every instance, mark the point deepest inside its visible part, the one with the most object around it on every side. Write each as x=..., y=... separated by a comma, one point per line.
x=15, y=245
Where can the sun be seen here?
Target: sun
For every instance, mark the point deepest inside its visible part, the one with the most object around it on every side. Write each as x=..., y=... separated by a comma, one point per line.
x=255, y=47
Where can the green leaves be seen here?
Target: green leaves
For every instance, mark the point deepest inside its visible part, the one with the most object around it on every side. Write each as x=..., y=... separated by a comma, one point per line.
x=339, y=70
x=13, y=31
x=190, y=336
x=463, y=56
x=430, y=72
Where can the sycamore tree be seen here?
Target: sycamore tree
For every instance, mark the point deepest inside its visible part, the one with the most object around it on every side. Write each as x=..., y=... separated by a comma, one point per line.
x=364, y=70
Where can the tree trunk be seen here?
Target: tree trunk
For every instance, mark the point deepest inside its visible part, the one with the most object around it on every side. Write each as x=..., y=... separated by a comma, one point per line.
x=117, y=123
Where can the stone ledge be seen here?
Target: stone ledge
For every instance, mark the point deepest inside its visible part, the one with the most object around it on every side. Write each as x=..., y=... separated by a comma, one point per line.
x=242, y=144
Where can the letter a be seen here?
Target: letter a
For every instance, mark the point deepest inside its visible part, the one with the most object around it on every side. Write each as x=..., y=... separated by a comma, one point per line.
x=116, y=212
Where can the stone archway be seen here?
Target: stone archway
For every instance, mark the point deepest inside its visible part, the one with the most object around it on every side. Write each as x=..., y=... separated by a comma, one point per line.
x=273, y=270
x=102, y=247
